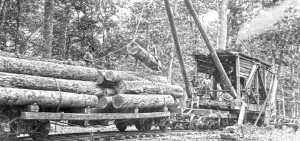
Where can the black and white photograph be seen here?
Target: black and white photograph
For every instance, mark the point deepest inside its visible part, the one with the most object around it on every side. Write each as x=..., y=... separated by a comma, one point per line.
x=149, y=70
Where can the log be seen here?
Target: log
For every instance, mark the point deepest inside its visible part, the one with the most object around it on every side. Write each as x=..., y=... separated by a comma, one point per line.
x=47, y=83
x=109, y=92
x=105, y=102
x=125, y=101
x=160, y=91
x=15, y=96
x=47, y=69
x=101, y=77
x=135, y=87
x=144, y=56
x=117, y=76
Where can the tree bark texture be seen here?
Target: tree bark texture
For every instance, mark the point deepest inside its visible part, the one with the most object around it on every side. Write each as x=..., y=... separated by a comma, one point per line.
x=170, y=68
x=48, y=69
x=3, y=15
x=125, y=101
x=47, y=83
x=1, y=4
x=166, y=92
x=136, y=87
x=117, y=76
x=223, y=24
x=144, y=56
x=48, y=29
x=105, y=102
x=15, y=96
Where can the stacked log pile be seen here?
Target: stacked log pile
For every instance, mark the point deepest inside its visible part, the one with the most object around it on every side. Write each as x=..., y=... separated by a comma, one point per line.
x=48, y=84
x=136, y=90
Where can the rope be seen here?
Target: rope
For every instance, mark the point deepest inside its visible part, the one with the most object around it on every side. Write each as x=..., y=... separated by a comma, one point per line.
x=135, y=33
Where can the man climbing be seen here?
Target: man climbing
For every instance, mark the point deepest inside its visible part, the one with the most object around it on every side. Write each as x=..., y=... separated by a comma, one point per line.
x=88, y=57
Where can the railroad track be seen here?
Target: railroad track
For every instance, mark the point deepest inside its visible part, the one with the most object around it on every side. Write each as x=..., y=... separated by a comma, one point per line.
x=128, y=135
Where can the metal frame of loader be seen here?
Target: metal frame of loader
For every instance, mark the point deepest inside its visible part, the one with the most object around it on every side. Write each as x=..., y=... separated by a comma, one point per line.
x=231, y=75
x=253, y=81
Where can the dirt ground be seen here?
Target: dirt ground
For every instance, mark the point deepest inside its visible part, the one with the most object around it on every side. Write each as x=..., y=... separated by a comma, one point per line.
x=244, y=133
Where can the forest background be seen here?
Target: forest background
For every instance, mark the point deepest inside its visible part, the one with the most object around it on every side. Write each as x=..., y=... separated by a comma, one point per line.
x=63, y=30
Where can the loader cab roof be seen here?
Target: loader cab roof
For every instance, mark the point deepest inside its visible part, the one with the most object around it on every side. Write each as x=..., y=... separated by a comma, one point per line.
x=228, y=59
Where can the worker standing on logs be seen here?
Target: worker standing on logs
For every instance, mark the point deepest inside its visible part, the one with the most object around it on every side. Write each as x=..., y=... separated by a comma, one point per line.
x=88, y=57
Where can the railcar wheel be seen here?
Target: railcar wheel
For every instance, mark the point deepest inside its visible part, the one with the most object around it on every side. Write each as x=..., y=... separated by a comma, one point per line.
x=173, y=125
x=41, y=129
x=186, y=126
x=193, y=123
x=138, y=126
x=4, y=136
x=146, y=124
x=121, y=125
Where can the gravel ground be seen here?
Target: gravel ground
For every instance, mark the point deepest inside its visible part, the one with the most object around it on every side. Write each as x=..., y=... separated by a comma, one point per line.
x=247, y=133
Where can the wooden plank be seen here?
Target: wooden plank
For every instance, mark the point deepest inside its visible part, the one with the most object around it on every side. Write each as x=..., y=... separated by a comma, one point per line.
x=250, y=108
x=214, y=103
x=244, y=75
x=251, y=76
x=245, y=70
x=244, y=62
x=210, y=113
x=252, y=95
x=92, y=116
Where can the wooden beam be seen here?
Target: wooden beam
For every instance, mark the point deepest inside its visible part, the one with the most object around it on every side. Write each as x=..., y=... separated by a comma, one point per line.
x=177, y=47
x=213, y=53
x=253, y=97
x=273, y=85
x=251, y=76
x=91, y=116
x=238, y=81
x=262, y=83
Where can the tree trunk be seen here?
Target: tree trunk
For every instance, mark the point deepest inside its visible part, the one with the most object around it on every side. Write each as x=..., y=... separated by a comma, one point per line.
x=14, y=96
x=48, y=29
x=283, y=101
x=47, y=83
x=105, y=102
x=170, y=68
x=144, y=56
x=136, y=87
x=1, y=5
x=124, y=101
x=48, y=69
x=17, y=48
x=3, y=15
x=66, y=22
x=223, y=24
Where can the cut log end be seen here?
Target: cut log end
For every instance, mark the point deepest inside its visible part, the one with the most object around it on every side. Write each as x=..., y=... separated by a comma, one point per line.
x=120, y=88
x=133, y=48
x=118, y=101
x=104, y=102
x=109, y=76
x=100, y=78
